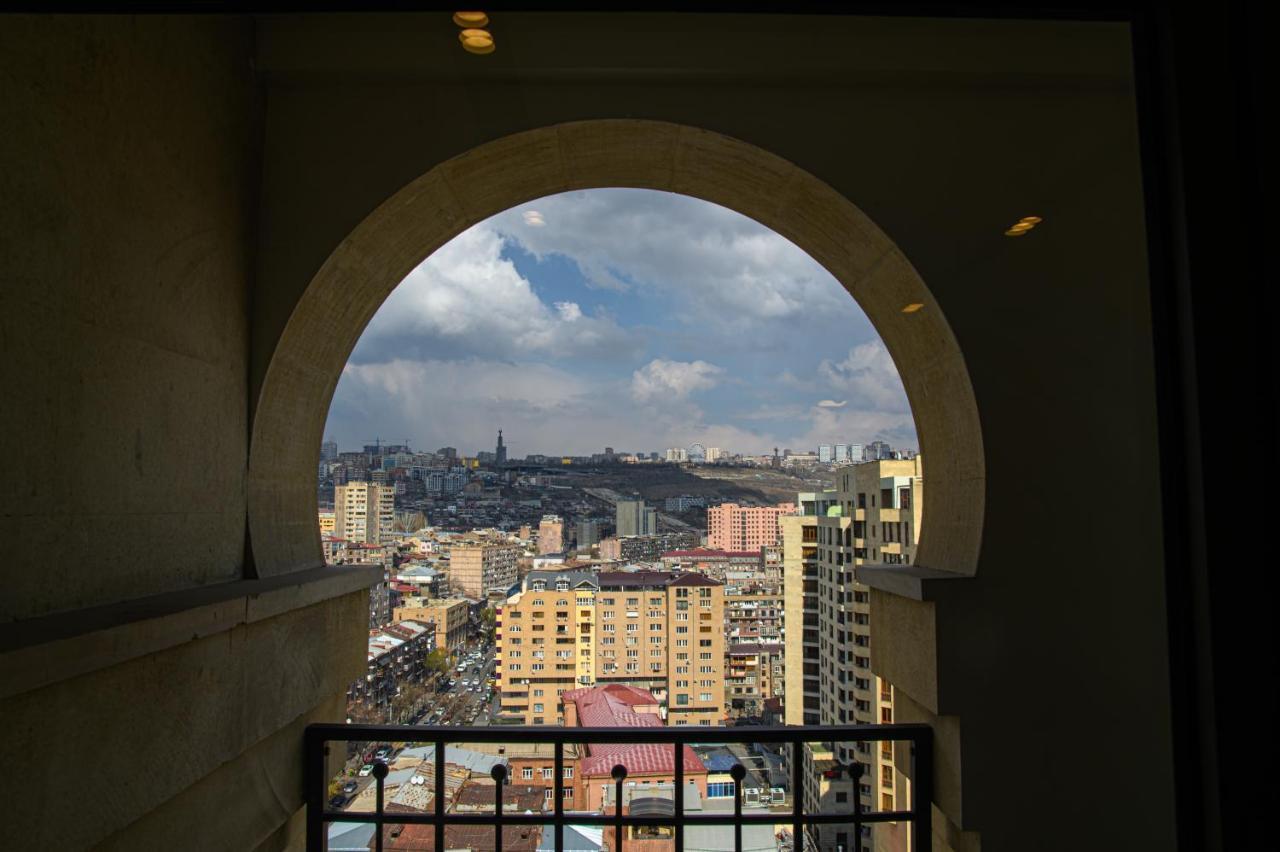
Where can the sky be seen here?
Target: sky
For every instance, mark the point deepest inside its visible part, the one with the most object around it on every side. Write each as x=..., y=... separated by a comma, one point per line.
x=622, y=318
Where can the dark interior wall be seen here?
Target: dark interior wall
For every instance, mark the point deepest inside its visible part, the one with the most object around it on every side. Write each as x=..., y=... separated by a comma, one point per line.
x=1064, y=629
x=129, y=187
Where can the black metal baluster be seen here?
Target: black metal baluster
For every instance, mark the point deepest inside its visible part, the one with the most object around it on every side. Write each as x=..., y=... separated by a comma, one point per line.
x=559, y=794
x=922, y=790
x=379, y=775
x=439, y=795
x=499, y=774
x=797, y=795
x=855, y=773
x=737, y=772
x=316, y=751
x=619, y=773
x=677, y=807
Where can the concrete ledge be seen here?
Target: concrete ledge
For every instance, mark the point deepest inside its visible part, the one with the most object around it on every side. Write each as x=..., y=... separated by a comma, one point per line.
x=41, y=651
x=909, y=581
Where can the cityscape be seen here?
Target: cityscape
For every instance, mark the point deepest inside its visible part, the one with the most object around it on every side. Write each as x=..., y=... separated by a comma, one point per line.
x=682, y=587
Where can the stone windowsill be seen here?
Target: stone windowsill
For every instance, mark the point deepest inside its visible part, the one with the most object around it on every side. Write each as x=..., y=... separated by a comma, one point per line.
x=40, y=651
x=909, y=581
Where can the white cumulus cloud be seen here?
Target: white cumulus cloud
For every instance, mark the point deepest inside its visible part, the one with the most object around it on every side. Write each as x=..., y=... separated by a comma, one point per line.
x=663, y=379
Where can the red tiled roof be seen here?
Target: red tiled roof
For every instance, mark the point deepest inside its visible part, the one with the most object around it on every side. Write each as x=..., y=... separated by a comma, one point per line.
x=610, y=706
x=641, y=759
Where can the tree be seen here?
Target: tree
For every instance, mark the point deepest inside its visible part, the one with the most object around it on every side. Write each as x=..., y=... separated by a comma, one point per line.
x=437, y=661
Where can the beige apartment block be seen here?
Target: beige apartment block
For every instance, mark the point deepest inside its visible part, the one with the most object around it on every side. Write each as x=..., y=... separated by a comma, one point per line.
x=362, y=512
x=327, y=521
x=874, y=519
x=800, y=619
x=477, y=568
x=448, y=614
x=654, y=630
x=544, y=644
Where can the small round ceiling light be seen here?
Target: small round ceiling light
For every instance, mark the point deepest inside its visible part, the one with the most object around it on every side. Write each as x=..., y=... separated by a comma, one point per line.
x=913, y=307
x=476, y=41
x=1031, y=220
x=471, y=19
x=1015, y=232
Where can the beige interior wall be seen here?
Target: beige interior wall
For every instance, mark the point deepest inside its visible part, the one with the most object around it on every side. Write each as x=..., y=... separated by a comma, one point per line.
x=130, y=151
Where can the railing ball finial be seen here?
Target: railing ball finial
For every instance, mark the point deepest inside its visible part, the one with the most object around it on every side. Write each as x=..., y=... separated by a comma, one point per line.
x=855, y=770
x=498, y=773
x=380, y=769
x=737, y=772
x=619, y=772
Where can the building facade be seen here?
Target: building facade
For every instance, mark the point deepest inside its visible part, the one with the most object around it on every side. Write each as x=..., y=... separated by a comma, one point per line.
x=734, y=527
x=478, y=568
x=363, y=512
x=635, y=518
x=874, y=518
x=653, y=630
x=551, y=534
x=449, y=615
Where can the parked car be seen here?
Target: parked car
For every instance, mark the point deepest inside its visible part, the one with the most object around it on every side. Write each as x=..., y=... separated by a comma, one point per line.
x=349, y=787
x=337, y=801
x=366, y=770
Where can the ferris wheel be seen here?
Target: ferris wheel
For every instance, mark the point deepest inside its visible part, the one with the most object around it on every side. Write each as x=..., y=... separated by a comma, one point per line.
x=697, y=452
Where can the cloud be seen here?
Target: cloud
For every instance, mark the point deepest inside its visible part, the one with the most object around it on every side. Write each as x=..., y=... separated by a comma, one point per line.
x=722, y=267
x=831, y=403
x=534, y=219
x=868, y=375
x=467, y=300
x=660, y=379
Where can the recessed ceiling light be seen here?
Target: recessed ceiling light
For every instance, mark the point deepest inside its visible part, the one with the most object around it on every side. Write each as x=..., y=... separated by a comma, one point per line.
x=1026, y=223
x=913, y=307
x=476, y=41
x=471, y=19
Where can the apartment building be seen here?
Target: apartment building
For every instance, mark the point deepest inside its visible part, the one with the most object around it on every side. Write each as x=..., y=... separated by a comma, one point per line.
x=633, y=517
x=801, y=704
x=754, y=673
x=734, y=527
x=653, y=630
x=873, y=519
x=551, y=534
x=450, y=616
x=363, y=512
x=477, y=568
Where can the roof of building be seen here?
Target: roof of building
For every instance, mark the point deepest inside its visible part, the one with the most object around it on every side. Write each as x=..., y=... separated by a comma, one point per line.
x=709, y=553
x=577, y=838
x=478, y=795
x=694, y=578
x=610, y=706
x=639, y=759
x=575, y=577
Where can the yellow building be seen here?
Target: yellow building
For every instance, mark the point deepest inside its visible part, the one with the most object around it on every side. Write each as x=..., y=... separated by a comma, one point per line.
x=873, y=518
x=327, y=520
x=448, y=614
x=655, y=630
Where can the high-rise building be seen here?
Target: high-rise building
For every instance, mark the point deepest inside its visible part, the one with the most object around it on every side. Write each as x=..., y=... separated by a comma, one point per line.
x=743, y=528
x=856, y=453
x=801, y=704
x=825, y=454
x=551, y=534
x=478, y=568
x=500, y=454
x=654, y=630
x=716, y=454
x=874, y=518
x=588, y=533
x=635, y=518
x=840, y=454
x=363, y=512
x=329, y=451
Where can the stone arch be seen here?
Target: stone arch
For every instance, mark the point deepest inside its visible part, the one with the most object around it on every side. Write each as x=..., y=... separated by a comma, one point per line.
x=377, y=255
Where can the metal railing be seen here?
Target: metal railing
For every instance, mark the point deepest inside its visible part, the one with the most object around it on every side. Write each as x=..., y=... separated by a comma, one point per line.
x=918, y=816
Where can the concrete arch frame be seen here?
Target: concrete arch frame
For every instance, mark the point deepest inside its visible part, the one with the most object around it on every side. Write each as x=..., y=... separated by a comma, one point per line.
x=380, y=252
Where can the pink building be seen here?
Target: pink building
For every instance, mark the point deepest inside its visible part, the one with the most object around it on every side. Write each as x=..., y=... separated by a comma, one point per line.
x=743, y=528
